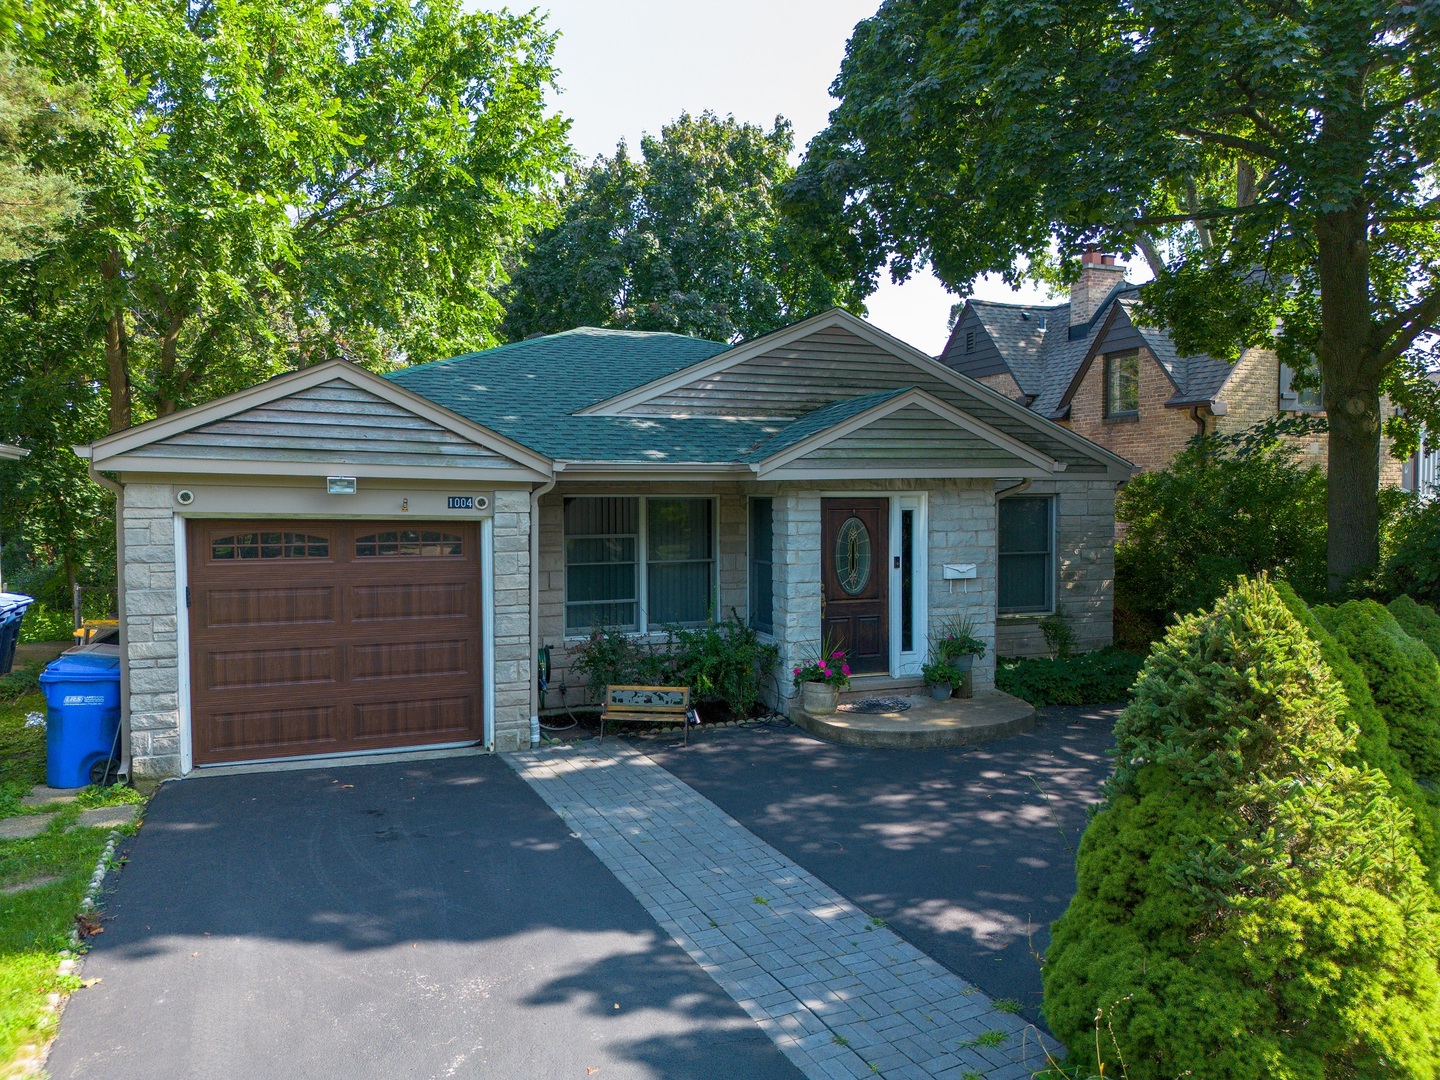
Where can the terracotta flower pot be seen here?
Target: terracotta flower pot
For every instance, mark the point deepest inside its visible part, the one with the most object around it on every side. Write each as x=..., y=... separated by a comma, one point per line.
x=818, y=698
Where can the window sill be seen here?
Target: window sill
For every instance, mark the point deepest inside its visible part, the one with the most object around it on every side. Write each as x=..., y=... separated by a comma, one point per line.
x=1023, y=616
x=1123, y=418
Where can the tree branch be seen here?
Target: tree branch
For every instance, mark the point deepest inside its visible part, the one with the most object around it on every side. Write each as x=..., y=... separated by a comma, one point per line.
x=1148, y=221
x=1233, y=142
x=1398, y=333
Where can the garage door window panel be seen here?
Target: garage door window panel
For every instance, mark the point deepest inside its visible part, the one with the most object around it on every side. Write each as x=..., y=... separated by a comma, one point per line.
x=408, y=544
x=269, y=545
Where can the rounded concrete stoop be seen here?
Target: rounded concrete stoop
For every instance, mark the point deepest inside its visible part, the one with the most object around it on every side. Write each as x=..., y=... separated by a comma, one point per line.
x=990, y=714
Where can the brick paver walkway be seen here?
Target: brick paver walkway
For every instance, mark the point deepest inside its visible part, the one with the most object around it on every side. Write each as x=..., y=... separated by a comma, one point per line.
x=840, y=994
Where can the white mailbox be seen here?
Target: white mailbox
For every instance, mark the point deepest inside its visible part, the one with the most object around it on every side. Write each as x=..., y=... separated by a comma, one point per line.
x=959, y=571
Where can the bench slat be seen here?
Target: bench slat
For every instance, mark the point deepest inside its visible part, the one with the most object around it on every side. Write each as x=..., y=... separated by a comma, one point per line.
x=647, y=711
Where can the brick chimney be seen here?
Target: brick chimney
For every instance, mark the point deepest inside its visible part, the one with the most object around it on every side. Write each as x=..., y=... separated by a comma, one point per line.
x=1098, y=275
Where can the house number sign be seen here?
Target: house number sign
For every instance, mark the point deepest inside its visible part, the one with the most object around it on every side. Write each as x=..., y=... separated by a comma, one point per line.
x=467, y=502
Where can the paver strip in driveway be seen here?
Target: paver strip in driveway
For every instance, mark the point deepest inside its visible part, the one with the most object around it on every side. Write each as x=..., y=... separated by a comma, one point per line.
x=839, y=993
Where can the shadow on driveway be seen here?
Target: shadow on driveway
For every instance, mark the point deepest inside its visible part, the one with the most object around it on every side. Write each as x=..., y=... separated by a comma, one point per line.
x=968, y=852
x=414, y=919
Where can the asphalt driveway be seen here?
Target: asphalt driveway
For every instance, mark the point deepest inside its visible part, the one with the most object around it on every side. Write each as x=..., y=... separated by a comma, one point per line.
x=409, y=919
x=969, y=853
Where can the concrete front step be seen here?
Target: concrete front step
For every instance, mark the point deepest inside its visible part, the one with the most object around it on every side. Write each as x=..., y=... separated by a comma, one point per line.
x=877, y=686
x=990, y=714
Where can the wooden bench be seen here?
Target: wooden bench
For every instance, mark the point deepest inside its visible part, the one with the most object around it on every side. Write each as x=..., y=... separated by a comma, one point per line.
x=648, y=705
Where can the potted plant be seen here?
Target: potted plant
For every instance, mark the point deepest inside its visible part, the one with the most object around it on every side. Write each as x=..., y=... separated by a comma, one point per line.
x=821, y=679
x=959, y=645
x=941, y=676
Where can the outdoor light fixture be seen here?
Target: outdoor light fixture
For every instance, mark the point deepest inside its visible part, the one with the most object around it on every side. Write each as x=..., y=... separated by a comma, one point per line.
x=340, y=485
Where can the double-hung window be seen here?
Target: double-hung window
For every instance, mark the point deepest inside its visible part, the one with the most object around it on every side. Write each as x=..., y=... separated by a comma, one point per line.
x=1122, y=384
x=1027, y=554
x=636, y=563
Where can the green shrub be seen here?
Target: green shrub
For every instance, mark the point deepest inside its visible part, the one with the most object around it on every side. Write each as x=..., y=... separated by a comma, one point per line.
x=1222, y=508
x=1412, y=566
x=1372, y=741
x=1096, y=678
x=42, y=623
x=1248, y=905
x=1417, y=620
x=21, y=680
x=723, y=664
x=1403, y=674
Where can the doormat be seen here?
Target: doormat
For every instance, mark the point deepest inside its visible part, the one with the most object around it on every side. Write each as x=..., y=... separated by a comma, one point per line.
x=875, y=705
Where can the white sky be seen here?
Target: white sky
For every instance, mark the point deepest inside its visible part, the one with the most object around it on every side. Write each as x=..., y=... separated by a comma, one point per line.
x=628, y=67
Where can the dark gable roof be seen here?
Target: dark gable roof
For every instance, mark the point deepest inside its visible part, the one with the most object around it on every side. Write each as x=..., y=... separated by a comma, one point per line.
x=1045, y=363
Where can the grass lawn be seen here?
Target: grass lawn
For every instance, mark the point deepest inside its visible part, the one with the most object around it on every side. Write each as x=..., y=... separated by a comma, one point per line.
x=35, y=922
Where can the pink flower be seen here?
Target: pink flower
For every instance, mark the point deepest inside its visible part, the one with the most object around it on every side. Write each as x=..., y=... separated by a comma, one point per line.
x=846, y=669
x=837, y=654
x=797, y=671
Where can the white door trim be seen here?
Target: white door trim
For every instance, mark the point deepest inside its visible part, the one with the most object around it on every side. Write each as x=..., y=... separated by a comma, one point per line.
x=182, y=647
x=487, y=629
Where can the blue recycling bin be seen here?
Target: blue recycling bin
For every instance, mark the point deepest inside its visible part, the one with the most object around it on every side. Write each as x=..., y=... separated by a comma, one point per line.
x=82, y=716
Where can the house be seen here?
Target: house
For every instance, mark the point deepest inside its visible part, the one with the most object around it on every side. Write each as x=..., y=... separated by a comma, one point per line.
x=1421, y=471
x=1093, y=365
x=334, y=562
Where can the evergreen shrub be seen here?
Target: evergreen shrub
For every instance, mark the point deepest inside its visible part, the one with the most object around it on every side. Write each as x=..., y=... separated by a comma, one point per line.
x=1403, y=674
x=1417, y=620
x=1249, y=905
x=1372, y=739
x=1095, y=678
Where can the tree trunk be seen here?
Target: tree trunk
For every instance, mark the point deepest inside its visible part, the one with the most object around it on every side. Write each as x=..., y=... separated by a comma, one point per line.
x=117, y=346
x=1350, y=372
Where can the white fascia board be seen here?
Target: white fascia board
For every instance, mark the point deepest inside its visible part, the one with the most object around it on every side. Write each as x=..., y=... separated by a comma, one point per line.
x=880, y=339
x=931, y=404
x=841, y=471
x=179, y=466
x=12, y=453
x=122, y=442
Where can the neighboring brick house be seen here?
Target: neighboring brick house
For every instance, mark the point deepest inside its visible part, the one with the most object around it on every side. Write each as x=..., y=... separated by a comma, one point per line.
x=1093, y=366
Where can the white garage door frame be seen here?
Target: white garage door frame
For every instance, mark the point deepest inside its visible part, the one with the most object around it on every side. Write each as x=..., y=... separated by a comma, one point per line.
x=487, y=647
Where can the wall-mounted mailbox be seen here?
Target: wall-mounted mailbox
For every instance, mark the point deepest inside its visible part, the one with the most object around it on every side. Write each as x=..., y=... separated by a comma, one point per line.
x=959, y=571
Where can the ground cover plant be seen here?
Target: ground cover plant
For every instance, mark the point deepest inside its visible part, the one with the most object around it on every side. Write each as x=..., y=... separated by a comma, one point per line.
x=1095, y=678
x=1249, y=904
x=1404, y=678
x=36, y=921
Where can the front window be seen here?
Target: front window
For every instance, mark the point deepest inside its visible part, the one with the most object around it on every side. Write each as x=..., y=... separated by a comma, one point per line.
x=1297, y=399
x=1122, y=384
x=1027, y=554
x=637, y=563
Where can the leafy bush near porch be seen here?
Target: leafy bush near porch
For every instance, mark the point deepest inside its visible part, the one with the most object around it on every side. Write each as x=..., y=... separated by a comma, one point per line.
x=1096, y=678
x=724, y=664
x=1417, y=620
x=1249, y=905
x=1372, y=740
x=1412, y=561
x=1224, y=507
x=1403, y=674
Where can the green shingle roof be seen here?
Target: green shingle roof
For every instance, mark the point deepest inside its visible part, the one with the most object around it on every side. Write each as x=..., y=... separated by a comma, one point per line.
x=530, y=390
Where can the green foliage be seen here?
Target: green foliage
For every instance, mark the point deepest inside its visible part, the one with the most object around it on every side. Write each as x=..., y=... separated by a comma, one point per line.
x=1417, y=620
x=1218, y=511
x=1059, y=636
x=1249, y=905
x=1095, y=678
x=21, y=680
x=37, y=201
x=1373, y=746
x=958, y=636
x=1273, y=164
x=724, y=664
x=1403, y=674
x=44, y=623
x=941, y=671
x=1412, y=566
x=686, y=238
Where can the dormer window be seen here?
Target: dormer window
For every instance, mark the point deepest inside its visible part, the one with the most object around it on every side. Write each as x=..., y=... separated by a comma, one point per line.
x=1041, y=322
x=1122, y=384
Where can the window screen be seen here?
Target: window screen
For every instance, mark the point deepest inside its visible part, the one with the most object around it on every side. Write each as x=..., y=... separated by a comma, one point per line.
x=1026, y=554
x=1122, y=384
x=602, y=540
x=762, y=565
x=680, y=560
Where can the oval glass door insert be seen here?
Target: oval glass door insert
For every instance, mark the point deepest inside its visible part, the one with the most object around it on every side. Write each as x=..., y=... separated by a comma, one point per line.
x=852, y=556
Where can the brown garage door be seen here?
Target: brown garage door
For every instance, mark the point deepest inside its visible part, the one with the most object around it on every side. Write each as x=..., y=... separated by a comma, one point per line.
x=316, y=637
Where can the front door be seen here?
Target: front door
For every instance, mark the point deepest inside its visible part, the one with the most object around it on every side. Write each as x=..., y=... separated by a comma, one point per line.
x=854, y=552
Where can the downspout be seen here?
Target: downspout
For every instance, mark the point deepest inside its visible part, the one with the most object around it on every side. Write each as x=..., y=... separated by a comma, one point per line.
x=1199, y=420
x=535, y=497
x=119, y=492
x=1016, y=488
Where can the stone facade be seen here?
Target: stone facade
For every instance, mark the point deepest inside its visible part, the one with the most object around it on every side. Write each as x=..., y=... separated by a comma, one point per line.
x=1085, y=570
x=152, y=649
x=1149, y=440
x=514, y=665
